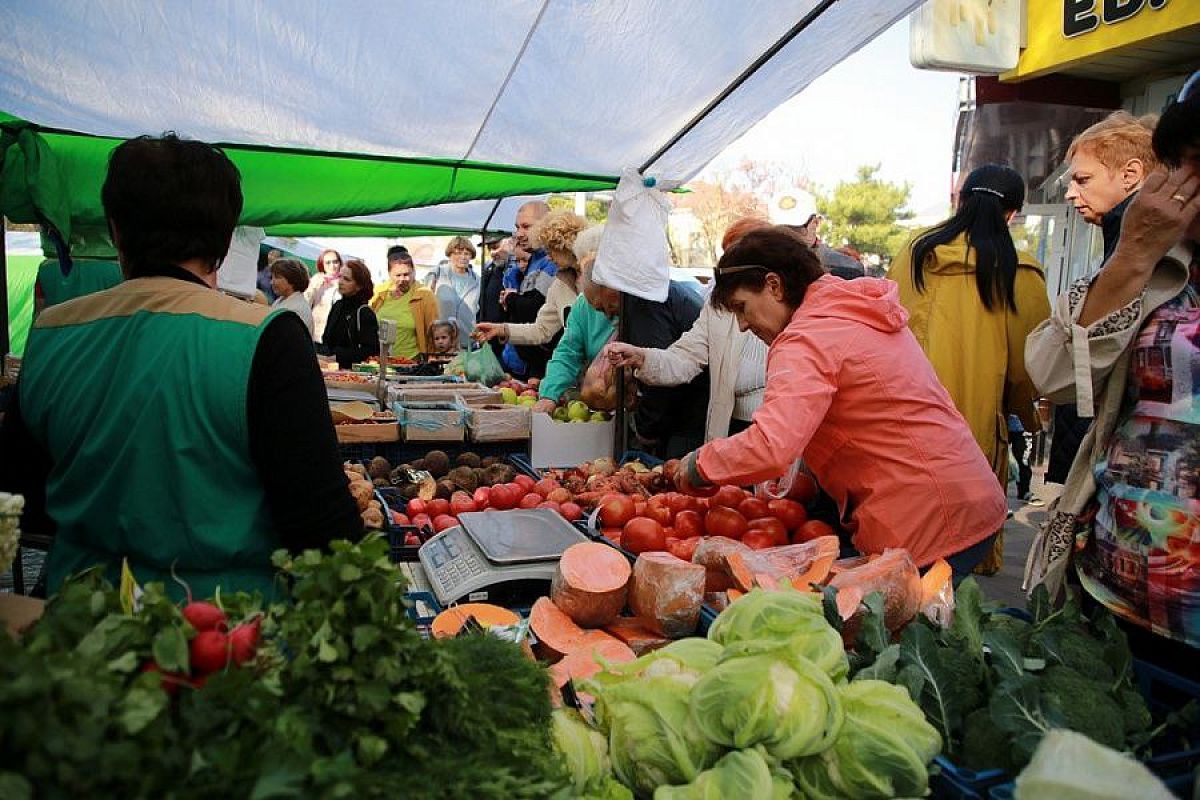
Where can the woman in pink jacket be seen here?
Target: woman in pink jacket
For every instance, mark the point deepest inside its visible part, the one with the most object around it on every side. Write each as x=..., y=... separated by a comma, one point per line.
x=849, y=389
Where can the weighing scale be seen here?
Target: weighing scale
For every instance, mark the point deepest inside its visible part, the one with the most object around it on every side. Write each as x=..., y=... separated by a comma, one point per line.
x=503, y=557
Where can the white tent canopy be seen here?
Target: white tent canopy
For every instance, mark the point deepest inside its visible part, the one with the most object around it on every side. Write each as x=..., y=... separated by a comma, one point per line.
x=587, y=87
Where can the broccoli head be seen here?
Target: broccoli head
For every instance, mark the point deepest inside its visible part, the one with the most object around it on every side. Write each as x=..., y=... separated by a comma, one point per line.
x=984, y=744
x=1086, y=705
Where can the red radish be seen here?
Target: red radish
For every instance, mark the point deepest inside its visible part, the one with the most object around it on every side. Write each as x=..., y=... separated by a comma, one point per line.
x=443, y=521
x=560, y=496
x=688, y=524
x=810, y=530
x=753, y=508
x=728, y=496
x=244, y=639
x=482, y=497
x=525, y=482
x=722, y=521
x=531, y=500
x=545, y=486
x=615, y=510
x=789, y=512
x=642, y=534
x=209, y=651
x=417, y=506
x=571, y=511
x=204, y=616
x=772, y=526
x=461, y=503
x=169, y=681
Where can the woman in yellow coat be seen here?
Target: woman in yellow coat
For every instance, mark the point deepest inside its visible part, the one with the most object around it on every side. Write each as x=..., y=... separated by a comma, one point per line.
x=972, y=299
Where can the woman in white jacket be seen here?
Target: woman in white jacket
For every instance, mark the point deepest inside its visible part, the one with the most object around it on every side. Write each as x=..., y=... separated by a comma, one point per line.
x=567, y=241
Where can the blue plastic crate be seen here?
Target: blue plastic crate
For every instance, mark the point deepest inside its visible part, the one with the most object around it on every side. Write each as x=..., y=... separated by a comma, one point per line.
x=1002, y=792
x=419, y=602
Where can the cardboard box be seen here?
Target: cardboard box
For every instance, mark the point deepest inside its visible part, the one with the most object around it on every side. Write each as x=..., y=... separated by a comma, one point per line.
x=442, y=394
x=497, y=422
x=568, y=444
x=432, y=422
x=368, y=432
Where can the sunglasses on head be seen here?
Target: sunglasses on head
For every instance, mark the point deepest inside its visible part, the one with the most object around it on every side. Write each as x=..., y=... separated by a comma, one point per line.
x=740, y=268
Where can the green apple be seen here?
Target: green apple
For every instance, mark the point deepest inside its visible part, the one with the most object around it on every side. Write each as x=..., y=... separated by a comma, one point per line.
x=508, y=396
x=560, y=414
x=577, y=411
x=599, y=416
x=526, y=401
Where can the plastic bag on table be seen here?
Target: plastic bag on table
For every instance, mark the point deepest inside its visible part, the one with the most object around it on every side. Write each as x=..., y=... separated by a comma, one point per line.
x=457, y=365
x=482, y=366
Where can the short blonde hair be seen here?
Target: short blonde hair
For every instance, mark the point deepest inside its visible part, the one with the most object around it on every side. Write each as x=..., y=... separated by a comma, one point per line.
x=558, y=231
x=460, y=242
x=587, y=243
x=1117, y=139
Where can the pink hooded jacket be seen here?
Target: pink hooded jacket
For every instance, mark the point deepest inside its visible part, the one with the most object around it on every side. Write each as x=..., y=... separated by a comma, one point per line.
x=849, y=389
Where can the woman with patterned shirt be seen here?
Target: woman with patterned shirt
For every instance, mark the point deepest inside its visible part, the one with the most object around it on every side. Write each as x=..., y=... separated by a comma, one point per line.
x=1130, y=510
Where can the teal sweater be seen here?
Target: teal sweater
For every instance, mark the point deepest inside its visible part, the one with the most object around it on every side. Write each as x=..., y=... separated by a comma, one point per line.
x=587, y=331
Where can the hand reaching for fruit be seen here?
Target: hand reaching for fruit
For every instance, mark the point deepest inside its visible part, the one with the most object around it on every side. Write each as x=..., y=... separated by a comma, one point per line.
x=544, y=406
x=621, y=354
x=485, y=331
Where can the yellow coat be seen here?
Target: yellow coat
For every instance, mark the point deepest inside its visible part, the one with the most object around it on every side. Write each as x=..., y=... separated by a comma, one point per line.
x=979, y=355
x=424, y=307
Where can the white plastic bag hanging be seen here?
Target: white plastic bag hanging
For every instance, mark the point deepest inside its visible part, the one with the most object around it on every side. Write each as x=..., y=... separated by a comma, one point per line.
x=634, y=256
x=778, y=488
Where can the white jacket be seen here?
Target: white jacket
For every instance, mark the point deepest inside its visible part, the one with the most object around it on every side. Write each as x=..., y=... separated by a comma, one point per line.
x=714, y=341
x=559, y=297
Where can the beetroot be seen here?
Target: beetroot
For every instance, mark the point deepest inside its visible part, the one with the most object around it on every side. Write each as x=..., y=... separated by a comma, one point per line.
x=205, y=616
x=210, y=652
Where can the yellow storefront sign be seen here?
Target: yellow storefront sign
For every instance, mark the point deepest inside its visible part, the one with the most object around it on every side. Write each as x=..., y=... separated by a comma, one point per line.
x=1061, y=33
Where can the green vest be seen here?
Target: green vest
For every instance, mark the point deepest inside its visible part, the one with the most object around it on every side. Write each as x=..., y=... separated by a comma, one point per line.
x=138, y=394
x=87, y=276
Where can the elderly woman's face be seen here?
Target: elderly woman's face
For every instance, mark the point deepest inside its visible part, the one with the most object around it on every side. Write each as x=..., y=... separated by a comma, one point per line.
x=764, y=313
x=460, y=257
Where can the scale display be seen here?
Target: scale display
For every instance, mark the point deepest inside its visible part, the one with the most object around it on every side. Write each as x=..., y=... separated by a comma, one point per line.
x=497, y=556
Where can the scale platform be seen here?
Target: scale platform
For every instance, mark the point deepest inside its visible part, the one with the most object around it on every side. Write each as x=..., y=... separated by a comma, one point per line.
x=503, y=557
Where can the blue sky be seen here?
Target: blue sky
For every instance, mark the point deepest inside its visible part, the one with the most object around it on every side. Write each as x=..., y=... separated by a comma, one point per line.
x=874, y=107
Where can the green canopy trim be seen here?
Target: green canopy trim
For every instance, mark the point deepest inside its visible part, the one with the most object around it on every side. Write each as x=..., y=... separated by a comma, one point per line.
x=55, y=176
x=346, y=228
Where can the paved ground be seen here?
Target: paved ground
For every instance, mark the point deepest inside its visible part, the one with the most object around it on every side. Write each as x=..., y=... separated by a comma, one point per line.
x=1005, y=585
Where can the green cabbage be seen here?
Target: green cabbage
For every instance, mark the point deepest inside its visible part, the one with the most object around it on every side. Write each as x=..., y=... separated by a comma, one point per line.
x=686, y=659
x=1070, y=766
x=765, y=621
x=584, y=750
x=740, y=774
x=785, y=703
x=652, y=739
x=881, y=751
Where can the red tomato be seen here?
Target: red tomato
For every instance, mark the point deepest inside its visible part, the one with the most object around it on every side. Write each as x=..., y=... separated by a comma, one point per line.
x=422, y=521
x=553, y=506
x=789, y=512
x=753, y=508
x=758, y=539
x=525, y=482
x=438, y=506
x=659, y=512
x=728, y=496
x=612, y=534
x=531, y=500
x=810, y=530
x=804, y=489
x=417, y=506
x=722, y=521
x=545, y=486
x=678, y=501
x=772, y=526
x=686, y=548
x=400, y=519
x=443, y=521
x=482, y=497
x=461, y=503
x=505, y=496
x=616, y=510
x=412, y=540
x=642, y=534
x=560, y=495
x=689, y=524
x=571, y=511
x=639, y=508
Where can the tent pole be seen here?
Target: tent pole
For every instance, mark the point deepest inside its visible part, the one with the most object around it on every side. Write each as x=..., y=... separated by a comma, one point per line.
x=621, y=429
x=747, y=73
x=4, y=342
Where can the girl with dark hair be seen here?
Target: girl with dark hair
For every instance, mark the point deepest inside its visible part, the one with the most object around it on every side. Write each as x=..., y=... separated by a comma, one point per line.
x=352, y=330
x=972, y=299
x=850, y=391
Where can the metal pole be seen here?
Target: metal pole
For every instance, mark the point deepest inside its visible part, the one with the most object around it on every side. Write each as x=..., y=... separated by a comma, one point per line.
x=621, y=429
x=4, y=342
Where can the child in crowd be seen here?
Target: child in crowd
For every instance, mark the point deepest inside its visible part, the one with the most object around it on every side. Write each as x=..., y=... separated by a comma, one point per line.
x=443, y=339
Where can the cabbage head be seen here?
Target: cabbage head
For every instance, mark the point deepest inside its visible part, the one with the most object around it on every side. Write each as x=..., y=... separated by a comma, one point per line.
x=740, y=774
x=584, y=750
x=685, y=659
x=881, y=751
x=787, y=704
x=652, y=739
x=1070, y=766
x=764, y=621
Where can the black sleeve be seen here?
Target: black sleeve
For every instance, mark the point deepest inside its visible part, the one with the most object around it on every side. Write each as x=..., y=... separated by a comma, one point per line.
x=292, y=442
x=523, y=308
x=368, y=334
x=24, y=468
